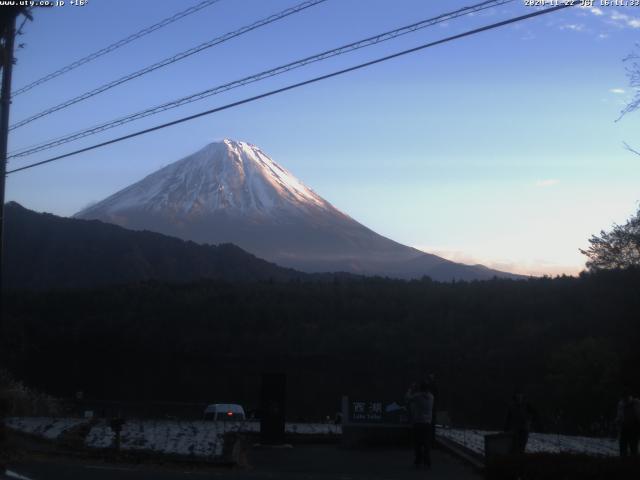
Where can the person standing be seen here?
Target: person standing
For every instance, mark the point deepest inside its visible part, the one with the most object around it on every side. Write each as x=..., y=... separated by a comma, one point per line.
x=433, y=388
x=420, y=405
x=520, y=417
x=628, y=421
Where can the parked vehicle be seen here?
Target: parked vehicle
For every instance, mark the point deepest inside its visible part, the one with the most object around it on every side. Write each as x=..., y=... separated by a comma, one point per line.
x=224, y=411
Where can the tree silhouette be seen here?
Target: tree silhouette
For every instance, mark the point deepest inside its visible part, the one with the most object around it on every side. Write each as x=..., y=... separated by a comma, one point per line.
x=619, y=248
x=632, y=62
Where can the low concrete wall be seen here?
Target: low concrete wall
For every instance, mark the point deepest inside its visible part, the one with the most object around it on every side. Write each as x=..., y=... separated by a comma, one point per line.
x=357, y=435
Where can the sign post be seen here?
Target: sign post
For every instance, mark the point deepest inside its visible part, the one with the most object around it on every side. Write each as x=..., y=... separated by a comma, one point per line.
x=272, y=415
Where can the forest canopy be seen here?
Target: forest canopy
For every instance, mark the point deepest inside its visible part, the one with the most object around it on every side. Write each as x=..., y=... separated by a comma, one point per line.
x=570, y=343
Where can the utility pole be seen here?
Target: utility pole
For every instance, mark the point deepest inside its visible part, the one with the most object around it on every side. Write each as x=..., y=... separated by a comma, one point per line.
x=8, y=26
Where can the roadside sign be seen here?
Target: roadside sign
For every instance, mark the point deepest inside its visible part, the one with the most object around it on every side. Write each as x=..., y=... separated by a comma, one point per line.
x=366, y=411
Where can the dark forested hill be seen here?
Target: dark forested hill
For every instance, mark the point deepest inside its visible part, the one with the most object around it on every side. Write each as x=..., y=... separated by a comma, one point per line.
x=43, y=251
x=570, y=343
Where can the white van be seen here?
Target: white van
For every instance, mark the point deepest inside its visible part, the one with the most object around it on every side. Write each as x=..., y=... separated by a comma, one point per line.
x=224, y=411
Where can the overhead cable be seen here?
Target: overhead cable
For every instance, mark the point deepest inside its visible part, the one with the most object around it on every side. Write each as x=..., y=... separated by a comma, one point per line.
x=115, y=46
x=297, y=85
x=168, y=61
x=383, y=37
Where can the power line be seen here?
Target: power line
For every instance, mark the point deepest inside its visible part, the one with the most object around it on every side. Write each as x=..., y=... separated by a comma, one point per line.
x=169, y=60
x=297, y=85
x=116, y=45
x=258, y=76
x=27, y=16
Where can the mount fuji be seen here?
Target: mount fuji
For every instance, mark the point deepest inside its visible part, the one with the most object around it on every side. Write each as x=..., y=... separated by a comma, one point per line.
x=232, y=192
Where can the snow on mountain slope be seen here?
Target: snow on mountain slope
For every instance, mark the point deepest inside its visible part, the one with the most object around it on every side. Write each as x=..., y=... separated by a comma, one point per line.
x=233, y=192
x=228, y=176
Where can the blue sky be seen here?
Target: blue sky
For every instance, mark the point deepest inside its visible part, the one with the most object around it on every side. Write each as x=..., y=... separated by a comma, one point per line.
x=500, y=149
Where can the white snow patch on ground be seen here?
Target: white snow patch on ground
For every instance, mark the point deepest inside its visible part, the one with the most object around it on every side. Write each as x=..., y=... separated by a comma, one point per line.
x=538, y=442
x=197, y=438
x=193, y=438
x=294, y=428
x=312, y=428
x=12, y=474
x=100, y=436
x=46, y=427
x=190, y=438
x=206, y=438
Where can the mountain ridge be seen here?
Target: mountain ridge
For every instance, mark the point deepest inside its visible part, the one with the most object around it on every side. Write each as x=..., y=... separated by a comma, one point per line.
x=232, y=192
x=43, y=251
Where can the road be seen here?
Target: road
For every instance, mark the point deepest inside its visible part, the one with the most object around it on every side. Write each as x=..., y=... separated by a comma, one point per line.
x=322, y=462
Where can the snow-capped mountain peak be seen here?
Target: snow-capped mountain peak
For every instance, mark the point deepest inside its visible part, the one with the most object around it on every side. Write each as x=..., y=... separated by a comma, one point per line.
x=227, y=176
x=232, y=192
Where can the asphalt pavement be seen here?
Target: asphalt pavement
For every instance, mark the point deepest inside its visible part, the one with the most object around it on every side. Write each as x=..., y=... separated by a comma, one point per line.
x=311, y=462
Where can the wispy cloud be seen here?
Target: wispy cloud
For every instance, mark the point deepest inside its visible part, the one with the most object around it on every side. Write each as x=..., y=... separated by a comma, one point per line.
x=595, y=10
x=576, y=27
x=622, y=20
x=528, y=36
x=611, y=17
x=548, y=182
x=617, y=90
